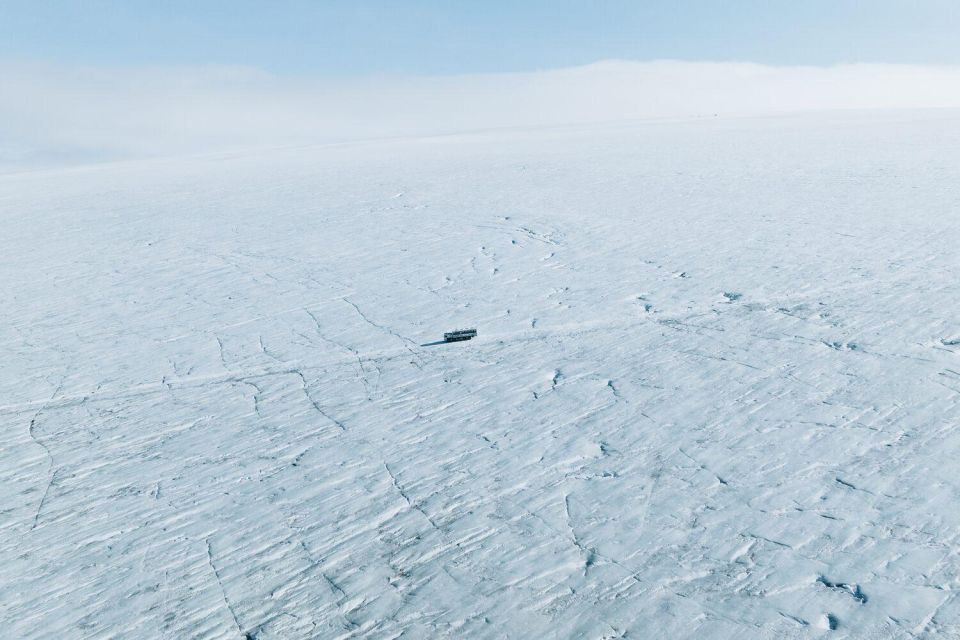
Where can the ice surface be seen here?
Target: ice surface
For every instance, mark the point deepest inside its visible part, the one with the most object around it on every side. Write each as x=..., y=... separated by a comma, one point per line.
x=715, y=391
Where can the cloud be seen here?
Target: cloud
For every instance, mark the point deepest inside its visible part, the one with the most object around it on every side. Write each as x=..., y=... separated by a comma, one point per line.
x=61, y=115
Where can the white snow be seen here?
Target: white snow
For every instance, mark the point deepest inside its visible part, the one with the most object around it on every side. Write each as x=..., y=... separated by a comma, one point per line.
x=715, y=391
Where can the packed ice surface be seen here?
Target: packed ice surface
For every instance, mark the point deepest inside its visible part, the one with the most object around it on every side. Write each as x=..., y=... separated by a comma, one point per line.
x=715, y=391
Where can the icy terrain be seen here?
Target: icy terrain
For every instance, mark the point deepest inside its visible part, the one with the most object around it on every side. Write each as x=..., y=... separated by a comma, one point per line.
x=715, y=392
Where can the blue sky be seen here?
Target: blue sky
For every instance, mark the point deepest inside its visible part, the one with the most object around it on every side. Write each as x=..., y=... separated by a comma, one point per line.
x=345, y=38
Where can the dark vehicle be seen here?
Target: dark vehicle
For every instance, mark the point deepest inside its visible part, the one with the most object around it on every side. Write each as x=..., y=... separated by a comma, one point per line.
x=459, y=335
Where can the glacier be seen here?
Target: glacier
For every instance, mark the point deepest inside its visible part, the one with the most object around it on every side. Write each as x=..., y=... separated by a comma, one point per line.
x=715, y=391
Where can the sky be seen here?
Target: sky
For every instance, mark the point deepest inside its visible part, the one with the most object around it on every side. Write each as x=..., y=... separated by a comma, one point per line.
x=351, y=38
